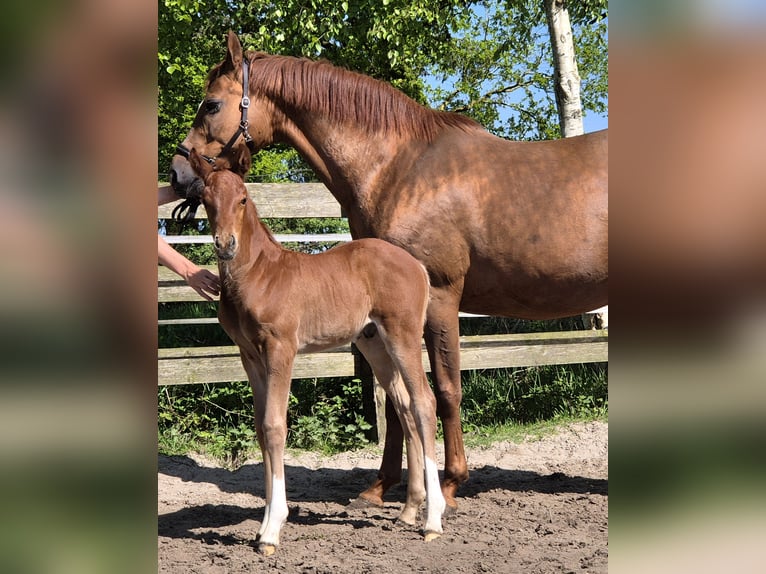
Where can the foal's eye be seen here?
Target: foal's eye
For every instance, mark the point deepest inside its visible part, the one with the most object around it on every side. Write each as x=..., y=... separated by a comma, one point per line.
x=212, y=107
x=244, y=201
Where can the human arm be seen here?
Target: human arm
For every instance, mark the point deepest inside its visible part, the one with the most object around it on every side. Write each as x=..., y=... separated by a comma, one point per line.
x=201, y=280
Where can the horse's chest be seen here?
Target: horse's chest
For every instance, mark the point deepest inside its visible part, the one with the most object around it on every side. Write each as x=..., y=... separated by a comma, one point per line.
x=245, y=327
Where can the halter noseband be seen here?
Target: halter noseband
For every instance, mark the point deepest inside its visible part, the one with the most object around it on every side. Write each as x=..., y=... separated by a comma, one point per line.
x=243, y=123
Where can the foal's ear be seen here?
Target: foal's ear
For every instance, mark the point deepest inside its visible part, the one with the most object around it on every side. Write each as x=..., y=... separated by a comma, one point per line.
x=233, y=59
x=244, y=160
x=199, y=165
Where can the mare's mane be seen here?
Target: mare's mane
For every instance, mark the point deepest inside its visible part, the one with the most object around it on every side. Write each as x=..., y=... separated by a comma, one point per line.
x=344, y=96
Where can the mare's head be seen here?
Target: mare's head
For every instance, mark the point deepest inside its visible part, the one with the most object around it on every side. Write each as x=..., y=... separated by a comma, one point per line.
x=225, y=198
x=228, y=117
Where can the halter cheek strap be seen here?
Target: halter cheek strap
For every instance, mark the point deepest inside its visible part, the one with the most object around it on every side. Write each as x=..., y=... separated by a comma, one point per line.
x=243, y=123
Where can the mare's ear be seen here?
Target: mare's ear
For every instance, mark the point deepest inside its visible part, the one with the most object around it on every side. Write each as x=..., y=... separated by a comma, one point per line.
x=244, y=160
x=233, y=59
x=199, y=165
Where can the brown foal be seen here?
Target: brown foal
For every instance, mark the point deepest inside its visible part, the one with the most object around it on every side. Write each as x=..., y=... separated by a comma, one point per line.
x=276, y=303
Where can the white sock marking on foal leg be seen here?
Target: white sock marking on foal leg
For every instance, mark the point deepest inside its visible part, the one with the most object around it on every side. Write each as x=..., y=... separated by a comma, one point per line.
x=435, y=500
x=276, y=513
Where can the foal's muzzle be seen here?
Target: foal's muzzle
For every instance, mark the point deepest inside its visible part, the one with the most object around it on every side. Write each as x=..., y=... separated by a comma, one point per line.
x=225, y=249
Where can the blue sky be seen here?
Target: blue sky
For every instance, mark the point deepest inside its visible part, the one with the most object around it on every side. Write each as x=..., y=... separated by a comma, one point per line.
x=593, y=123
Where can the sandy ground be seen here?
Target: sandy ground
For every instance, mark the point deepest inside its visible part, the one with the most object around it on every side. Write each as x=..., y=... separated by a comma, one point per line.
x=540, y=506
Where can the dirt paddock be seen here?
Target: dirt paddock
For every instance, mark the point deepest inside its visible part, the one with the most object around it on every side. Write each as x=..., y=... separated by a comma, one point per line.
x=540, y=506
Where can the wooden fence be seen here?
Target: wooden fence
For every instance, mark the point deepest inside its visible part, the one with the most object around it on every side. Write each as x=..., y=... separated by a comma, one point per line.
x=217, y=364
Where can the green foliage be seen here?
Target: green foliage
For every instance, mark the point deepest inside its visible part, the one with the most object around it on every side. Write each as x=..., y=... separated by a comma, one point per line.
x=499, y=67
x=325, y=414
x=218, y=419
x=334, y=423
x=494, y=397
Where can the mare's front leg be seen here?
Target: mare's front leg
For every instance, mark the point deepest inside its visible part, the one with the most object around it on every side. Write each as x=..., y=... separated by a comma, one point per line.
x=271, y=389
x=442, y=336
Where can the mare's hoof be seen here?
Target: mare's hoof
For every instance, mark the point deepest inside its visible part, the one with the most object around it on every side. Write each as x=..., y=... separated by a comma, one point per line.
x=430, y=535
x=267, y=549
x=449, y=511
x=362, y=503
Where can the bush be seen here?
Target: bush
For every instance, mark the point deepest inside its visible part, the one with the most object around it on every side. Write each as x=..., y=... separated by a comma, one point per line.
x=218, y=419
x=498, y=396
x=333, y=424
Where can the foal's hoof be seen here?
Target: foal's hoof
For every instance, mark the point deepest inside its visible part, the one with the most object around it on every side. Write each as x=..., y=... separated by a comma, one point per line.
x=362, y=503
x=267, y=549
x=431, y=535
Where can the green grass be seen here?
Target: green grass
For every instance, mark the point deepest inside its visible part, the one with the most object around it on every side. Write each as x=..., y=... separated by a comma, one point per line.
x=324, y=414
x=520, y=432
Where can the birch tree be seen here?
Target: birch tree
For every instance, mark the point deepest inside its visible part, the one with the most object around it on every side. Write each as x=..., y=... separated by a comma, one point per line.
x=566, y=76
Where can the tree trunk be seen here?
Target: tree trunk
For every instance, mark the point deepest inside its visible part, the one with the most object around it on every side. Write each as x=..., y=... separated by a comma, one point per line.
x=566, y=76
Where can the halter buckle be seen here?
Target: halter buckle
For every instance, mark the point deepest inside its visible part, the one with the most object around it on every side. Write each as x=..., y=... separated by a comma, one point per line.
x=245, y=102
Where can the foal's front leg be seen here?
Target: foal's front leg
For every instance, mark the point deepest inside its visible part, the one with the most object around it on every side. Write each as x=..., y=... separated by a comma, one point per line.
x=270, y=397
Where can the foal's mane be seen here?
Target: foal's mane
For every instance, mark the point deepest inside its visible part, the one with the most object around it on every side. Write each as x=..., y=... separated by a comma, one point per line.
x=344, y=96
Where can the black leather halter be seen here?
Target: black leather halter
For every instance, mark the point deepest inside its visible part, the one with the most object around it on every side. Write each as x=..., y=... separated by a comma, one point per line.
x=184, y=211
x=241, y=129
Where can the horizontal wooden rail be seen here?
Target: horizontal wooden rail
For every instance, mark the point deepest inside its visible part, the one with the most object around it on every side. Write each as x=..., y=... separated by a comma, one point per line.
x=283, y=200
x=221, y=364
x=280, y=237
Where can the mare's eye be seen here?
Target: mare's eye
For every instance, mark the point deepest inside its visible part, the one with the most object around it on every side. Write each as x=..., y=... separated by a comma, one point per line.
x=212, y=107
x=244, y=201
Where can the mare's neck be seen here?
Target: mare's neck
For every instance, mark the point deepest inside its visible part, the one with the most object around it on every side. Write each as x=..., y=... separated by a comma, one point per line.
x=349, y=161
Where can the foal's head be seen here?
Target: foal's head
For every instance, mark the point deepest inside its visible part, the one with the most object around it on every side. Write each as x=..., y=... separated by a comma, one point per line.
x=225, y=198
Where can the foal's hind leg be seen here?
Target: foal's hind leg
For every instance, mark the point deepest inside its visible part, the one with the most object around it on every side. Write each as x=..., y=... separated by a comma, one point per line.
x=442, y=338
x=385, y=371
x=404, y=348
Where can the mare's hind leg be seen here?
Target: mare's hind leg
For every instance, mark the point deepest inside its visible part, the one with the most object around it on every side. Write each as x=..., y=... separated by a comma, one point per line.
x=385, y=371
x=390, y=472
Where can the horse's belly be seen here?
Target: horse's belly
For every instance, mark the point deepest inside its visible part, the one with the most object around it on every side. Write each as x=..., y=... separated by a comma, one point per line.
x=314, y=338
x=532, y=298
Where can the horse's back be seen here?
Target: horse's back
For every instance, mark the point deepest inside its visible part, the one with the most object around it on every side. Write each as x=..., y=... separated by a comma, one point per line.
x=391, y=275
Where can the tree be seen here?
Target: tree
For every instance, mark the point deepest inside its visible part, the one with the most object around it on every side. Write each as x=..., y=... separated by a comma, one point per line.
x=499, y=68
x=566, y=80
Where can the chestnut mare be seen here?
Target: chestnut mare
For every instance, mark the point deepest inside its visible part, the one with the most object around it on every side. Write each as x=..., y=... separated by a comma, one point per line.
x=276, y=303
x=505, y=228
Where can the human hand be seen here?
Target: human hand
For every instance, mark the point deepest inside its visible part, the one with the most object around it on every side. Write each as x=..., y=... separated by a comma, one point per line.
x=203, y=282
